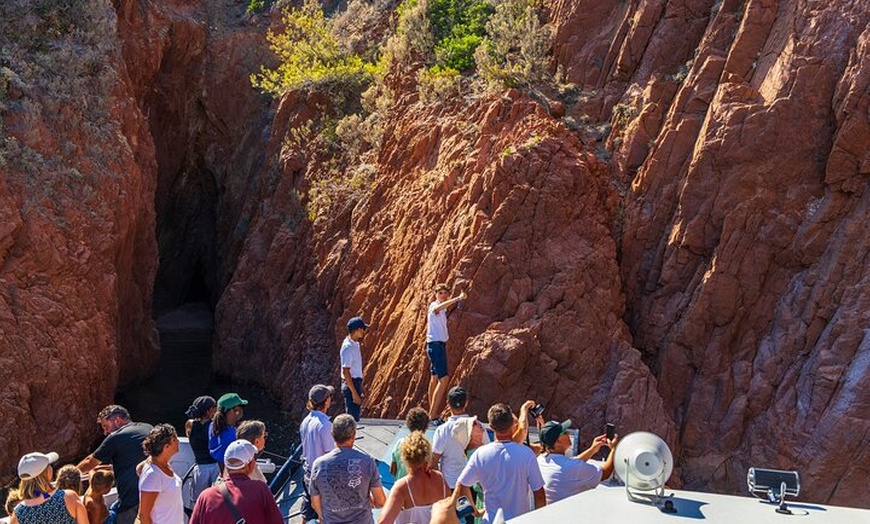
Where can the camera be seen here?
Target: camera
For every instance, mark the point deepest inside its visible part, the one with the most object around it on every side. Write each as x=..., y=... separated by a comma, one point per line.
x=463, y=508
x=536, y=410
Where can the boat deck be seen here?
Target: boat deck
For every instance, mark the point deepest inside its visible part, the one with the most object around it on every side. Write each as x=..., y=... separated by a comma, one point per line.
x=606, y=504
x=374, y=437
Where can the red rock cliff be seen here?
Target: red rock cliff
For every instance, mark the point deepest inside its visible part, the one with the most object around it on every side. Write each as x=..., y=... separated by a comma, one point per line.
x=700, y=273
x=744, y=264
x=703, y=276
x=77, y=247
x=121, y=123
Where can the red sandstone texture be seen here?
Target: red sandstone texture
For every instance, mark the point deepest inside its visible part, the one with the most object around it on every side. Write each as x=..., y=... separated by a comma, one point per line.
x=743, y=255
x=108, y=112
x=77, y=247
x=707, y=282
x=701, y=274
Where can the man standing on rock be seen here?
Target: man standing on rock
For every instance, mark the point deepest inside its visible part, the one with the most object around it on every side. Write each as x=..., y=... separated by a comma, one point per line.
x=122, y=448
x=351, y=367
x=436, y=347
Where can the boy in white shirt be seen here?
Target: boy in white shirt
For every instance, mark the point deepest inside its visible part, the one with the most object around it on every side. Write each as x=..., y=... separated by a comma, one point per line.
x=436, y=346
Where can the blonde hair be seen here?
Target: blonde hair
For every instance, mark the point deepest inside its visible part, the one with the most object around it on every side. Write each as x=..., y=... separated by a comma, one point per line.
x=12, y=500
x=28, y=488
x=69, y=477
x=416, y=450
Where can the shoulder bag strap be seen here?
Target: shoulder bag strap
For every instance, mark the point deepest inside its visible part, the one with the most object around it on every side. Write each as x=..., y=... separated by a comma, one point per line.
x=233, y=509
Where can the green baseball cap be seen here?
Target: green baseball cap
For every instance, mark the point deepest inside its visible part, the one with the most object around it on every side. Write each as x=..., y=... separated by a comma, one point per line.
x=552, y=430
x=230, y=400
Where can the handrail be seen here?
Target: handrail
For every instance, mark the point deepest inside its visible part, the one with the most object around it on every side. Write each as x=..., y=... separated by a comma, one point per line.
x=287, y=471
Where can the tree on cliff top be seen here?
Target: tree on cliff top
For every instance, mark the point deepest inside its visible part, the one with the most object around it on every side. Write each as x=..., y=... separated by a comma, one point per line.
x=310, y=55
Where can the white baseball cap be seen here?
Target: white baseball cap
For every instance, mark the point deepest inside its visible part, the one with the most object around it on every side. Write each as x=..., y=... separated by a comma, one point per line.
x=239, y=454
x=33, y=464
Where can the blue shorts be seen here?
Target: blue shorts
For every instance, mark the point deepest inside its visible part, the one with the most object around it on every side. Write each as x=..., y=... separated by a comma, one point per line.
x=437, y=353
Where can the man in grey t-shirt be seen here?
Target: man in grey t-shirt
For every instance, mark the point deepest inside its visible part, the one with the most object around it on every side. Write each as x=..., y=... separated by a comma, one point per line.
x=345, y=483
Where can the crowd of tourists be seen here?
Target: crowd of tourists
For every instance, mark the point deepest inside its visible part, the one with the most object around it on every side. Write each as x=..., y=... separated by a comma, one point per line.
x=465, y=471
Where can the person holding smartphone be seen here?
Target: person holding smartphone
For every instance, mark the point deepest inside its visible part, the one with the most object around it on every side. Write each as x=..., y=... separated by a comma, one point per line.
x=564, y=476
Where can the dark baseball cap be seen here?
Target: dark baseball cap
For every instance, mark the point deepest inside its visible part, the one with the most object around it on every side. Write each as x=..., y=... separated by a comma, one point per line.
x=552, y=430
x=200, y=406
x=356, y=323
x=457, y=397
x=319, y=393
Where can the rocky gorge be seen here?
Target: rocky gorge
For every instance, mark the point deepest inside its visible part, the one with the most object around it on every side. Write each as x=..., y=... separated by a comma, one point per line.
x=679, y=247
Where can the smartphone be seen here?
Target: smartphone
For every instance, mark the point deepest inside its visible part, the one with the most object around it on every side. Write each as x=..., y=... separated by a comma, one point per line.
x=463, y=508
x=610, y=431
x=536, y=410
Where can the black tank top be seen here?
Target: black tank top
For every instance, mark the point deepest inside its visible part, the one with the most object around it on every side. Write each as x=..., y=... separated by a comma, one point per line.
x=199, y=442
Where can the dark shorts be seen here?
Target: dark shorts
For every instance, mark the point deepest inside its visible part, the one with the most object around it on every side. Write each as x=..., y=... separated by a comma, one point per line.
x=349, y=406
x=437, y=353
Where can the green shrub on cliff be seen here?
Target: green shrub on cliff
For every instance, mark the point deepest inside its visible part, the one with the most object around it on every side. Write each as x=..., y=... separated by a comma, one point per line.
x=310, y=55
x=516, y=50
x=458, y=27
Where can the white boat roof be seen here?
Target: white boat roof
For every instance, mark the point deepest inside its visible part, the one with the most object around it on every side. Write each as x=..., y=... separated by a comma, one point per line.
x=609, y=505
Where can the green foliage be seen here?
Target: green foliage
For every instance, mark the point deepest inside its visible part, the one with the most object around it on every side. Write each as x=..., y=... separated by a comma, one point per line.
x=458, y=27
x=309, y=55
x=516, y=50
x=438, y=83
x=255, y=6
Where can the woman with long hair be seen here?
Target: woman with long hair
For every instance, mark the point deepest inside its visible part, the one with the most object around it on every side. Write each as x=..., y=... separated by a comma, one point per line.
x=40, y=502
x=222, y=431
x=160, y=499
x=412, y=496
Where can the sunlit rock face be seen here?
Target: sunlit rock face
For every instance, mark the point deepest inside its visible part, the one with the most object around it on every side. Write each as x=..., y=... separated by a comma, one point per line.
x=681, y=248
x=744, y=255
x=697, y=272
x=77, y=249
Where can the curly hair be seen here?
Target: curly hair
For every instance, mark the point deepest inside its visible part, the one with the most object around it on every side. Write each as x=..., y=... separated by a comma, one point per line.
x=417, y=419
x=12, y=500
x=158, y=438
x=415, y=450
x=69, y=477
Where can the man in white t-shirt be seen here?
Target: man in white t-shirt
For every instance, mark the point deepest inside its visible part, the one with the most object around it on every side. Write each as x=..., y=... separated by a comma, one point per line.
x=436, y=346
x=505, y=470
x=564, y=476
x=452, y=439
x=351, y=366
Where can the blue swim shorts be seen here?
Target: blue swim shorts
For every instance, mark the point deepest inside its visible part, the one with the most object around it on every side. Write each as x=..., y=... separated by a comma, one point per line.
x=437, y=353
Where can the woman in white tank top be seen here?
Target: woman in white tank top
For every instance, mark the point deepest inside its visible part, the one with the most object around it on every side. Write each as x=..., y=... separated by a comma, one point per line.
x=411, y=499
